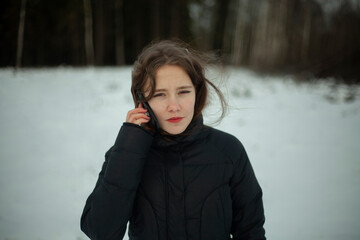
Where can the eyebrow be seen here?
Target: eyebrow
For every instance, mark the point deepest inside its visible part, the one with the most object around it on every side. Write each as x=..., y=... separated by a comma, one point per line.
x=179, y=88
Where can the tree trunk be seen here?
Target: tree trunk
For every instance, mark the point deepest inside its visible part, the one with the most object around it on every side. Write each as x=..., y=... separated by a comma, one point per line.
x=156, y=19
x=219, y=17
x=237, y=46
x=99, y=32
x=20, y=39
x=306, y=31
x=119, y=33
x=176, y=11
x=270, y=44
x=248, y=20
x=89, y=45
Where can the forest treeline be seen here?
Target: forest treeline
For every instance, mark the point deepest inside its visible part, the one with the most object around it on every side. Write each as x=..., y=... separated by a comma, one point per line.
x=295, y=36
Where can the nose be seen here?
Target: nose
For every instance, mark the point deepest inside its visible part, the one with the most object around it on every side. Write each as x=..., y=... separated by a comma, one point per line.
x=173, y=104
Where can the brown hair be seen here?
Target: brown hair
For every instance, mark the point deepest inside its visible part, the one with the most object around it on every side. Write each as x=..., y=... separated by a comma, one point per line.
x=173, y=52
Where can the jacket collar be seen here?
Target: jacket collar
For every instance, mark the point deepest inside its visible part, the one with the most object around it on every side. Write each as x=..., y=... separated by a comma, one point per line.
x=190, y=134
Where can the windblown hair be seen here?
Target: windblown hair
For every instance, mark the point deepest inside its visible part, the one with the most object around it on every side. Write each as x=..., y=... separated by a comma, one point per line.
x=169, y=52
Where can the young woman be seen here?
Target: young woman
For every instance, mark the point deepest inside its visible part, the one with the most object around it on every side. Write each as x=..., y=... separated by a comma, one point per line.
x=168, y=175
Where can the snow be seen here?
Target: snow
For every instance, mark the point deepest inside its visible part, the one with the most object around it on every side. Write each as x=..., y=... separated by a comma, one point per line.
x=57, y=123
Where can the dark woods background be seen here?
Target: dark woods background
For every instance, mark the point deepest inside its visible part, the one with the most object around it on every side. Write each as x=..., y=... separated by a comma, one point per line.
x=317, y=38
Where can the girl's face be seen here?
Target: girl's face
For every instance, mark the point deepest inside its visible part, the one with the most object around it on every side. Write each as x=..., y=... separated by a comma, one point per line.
x=174, y=99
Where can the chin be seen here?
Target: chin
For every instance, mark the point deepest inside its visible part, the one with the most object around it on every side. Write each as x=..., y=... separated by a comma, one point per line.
x=174, y=130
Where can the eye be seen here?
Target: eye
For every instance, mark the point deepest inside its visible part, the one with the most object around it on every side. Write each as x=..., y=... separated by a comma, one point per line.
x=159, y=94
x=184, y=92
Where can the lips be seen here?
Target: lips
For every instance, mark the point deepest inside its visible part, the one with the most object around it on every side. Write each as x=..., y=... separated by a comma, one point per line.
x=175, y=119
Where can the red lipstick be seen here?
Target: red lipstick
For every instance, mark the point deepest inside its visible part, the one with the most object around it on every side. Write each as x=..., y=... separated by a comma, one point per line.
x=174, y=119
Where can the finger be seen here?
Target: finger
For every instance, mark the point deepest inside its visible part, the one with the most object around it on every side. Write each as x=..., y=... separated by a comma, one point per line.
x=135, y=117
x=138, y=110
x=141, y=120
x=138, y=116
x=135, y=111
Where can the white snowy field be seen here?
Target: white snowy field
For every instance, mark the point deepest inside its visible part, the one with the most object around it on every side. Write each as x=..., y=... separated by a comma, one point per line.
x=57, y=123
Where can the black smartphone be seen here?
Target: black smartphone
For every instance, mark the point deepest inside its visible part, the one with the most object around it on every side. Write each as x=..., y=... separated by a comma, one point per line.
x=153, y=120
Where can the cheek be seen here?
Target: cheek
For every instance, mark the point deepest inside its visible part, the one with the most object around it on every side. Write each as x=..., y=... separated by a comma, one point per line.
x=157, y=108
x=190, y=104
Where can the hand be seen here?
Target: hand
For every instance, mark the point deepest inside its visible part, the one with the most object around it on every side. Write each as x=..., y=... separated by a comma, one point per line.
x=137, y=115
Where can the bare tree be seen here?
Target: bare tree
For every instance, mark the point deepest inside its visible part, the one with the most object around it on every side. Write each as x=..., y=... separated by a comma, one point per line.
x=99, y=32
x=119, y=33
x=176, y=8
x=89, y=45
x=220, y=15
x=20, y=39
x=155, y=8
x=270, y=43
x=241, y=38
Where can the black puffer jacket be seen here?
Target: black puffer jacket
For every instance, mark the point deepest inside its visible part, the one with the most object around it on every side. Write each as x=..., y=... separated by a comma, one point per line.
x=199, y=186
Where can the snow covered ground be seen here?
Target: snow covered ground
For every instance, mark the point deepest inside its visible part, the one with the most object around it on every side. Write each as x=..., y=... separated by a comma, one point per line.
x=57, y=123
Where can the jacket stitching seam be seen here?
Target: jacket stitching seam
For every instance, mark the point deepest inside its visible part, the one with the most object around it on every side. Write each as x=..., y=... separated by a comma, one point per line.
x=152, y=209
x=202, y=205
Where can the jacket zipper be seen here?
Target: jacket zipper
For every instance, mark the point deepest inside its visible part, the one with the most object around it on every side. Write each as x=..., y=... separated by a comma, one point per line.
x=167, y=202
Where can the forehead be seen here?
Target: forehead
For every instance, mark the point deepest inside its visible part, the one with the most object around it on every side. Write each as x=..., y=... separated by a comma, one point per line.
x=171, y=76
